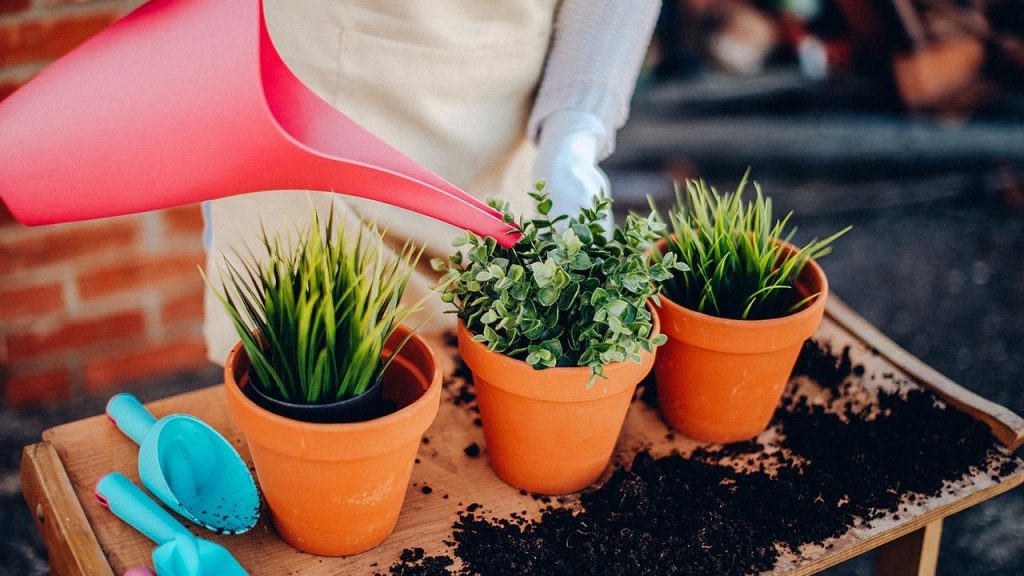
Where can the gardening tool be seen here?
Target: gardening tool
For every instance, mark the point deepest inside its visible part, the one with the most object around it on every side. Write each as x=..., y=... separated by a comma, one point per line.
x=178, y=551
x=190, y=467
x=141, y=117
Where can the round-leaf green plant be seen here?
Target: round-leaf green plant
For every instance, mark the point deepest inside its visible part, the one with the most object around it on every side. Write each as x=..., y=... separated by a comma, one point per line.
x=566, y=294
x=315, y=312
x=736, y=266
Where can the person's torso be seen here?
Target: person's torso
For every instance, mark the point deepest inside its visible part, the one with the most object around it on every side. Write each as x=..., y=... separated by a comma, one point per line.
x=448, y=82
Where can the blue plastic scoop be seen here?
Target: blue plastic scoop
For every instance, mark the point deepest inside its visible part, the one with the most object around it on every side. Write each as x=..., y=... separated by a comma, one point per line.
x=178, y=551
x=190, y=467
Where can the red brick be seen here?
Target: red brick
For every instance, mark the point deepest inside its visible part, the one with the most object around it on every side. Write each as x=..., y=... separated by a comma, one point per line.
x=184, y=220
x=30, y=300
x=154, y=361
x=77, y=334
x=67, y=243
x=25, y=390
x=188, y=307
x=10, y=6
x=140, y=272
x=34, y=40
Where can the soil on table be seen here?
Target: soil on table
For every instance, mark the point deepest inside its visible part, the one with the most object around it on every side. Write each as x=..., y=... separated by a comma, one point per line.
x=840, y=461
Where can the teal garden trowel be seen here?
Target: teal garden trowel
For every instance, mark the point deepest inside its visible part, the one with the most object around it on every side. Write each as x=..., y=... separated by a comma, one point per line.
x=190, y=467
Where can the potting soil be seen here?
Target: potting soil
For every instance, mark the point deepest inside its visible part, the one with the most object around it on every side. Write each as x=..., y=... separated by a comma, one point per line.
x=736, y=509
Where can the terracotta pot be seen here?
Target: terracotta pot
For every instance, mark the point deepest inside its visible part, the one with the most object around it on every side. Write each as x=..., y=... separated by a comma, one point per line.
x=720, y=379
x=546, y=432
x=337, y=489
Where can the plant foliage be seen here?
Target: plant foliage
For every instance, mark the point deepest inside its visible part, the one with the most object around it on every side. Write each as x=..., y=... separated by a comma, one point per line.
x=566, y=294
x=735, y=264
x=314, y=317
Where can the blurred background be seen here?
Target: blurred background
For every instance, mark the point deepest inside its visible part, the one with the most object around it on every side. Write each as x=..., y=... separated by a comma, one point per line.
x=904, y=118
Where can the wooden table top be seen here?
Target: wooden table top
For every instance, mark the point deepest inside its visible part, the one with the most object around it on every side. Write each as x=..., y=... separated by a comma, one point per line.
x=58, y=476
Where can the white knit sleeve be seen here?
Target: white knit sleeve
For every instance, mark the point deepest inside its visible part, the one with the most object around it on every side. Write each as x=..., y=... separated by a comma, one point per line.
x=595, y=57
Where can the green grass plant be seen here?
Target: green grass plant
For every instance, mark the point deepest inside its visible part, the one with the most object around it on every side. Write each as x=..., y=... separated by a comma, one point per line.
x=735, y=264
x=315, y=311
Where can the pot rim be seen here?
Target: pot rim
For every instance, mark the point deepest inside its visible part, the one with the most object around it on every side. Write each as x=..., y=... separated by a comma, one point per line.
x=431, y=375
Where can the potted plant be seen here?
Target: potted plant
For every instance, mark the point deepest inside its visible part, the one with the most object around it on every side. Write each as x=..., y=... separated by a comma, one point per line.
x=736, y=315
x=331, y=391
x=557, y=331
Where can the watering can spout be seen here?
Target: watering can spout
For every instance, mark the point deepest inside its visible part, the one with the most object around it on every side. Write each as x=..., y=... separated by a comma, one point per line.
x=142, y=117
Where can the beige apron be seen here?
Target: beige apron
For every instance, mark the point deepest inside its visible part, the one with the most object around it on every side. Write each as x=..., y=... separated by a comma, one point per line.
x=448, y=82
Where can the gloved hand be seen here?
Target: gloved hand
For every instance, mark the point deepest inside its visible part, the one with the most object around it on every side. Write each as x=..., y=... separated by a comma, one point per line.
x=568, y=149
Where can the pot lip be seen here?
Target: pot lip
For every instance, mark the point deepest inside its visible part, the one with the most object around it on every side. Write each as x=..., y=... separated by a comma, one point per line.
x=568, y=371
x=807, y=311
x=421, y=403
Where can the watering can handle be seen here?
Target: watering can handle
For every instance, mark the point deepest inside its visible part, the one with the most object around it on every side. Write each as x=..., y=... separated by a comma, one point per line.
x=131, y=504
x=130, y=416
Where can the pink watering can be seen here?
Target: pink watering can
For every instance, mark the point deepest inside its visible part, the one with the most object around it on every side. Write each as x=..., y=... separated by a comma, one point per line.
x=183, y=101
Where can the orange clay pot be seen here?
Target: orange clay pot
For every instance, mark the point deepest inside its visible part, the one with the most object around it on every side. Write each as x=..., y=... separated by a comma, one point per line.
x=337, y=489
x=720, y=379
x=547, y=432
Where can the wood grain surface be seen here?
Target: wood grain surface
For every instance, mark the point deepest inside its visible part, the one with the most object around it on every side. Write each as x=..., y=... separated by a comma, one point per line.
x=89, y=448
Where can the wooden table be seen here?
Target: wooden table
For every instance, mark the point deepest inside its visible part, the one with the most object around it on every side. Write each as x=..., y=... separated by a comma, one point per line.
x=58, y=475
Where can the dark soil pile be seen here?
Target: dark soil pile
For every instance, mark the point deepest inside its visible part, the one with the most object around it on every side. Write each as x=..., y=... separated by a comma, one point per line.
x=413, y=563
x=732, y=509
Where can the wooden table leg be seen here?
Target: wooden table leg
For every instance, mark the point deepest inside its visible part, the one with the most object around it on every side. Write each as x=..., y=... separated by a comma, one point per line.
x=916, y=554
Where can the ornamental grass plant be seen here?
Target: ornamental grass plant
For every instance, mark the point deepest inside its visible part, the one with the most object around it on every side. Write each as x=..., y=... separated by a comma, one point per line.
x=736, y=265
x=566, y=294
x=316, y=309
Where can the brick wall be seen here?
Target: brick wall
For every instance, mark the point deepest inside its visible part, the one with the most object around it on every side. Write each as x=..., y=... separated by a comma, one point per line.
x=92, y=306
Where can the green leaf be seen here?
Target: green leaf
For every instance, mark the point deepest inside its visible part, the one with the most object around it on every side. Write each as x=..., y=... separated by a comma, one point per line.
x=544, y=206
x=617, y=307
x=548, y=296
x=544, y=272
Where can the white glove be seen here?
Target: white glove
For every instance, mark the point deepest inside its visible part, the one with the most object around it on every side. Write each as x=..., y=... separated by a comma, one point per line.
x=567, y=157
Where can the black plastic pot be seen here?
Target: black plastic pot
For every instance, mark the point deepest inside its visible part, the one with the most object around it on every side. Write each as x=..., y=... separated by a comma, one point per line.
x=367, y=406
